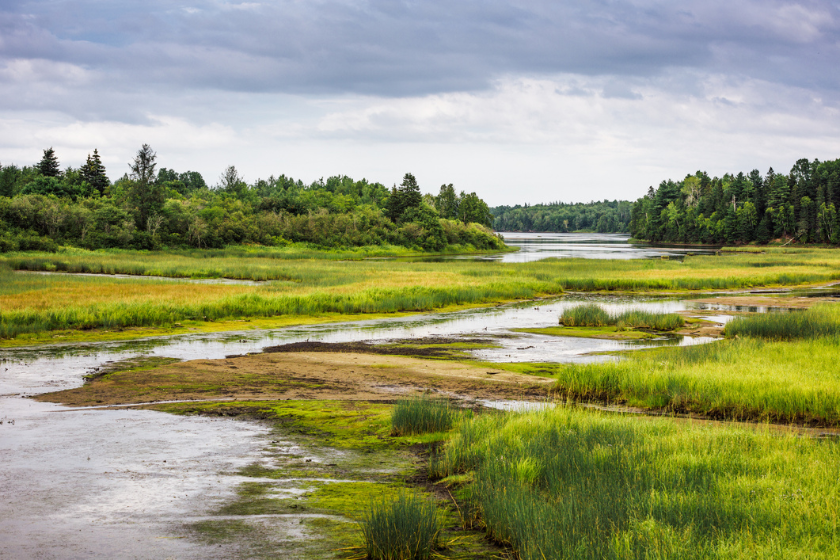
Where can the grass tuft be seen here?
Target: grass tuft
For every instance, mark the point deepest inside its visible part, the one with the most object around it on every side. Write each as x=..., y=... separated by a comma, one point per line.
x=421, y=415
x=593, y=315
x=402, y=528
x=819, y=321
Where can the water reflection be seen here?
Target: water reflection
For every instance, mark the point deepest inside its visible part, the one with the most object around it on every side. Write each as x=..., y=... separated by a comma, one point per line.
x=536, y=246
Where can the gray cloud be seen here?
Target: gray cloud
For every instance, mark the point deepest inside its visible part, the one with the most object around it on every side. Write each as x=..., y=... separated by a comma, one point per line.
x=384, y=48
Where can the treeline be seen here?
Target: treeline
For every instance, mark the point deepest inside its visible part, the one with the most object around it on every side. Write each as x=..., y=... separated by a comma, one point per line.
x=602, y=217
x=801, y=205
x=43, y=207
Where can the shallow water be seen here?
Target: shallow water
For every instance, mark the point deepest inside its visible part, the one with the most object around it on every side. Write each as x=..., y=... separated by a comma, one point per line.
x=114, y=483
x=536, y=246
x=148, y=472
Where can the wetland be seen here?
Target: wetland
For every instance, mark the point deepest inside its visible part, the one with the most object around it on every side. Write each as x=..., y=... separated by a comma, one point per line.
x=265, y=431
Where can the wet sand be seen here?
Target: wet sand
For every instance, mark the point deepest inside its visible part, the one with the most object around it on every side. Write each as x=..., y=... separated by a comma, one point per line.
x=302, y=376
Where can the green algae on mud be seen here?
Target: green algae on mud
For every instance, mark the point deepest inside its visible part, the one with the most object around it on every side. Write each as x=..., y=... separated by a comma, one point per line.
x=610, y=333
x=342, y=457
x=138, y=363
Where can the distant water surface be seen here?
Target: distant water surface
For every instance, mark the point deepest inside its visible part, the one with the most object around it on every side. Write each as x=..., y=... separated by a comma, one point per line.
x=536, y=246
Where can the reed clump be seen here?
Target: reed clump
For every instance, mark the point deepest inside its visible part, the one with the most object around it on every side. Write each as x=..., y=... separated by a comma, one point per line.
x=819, y=321
x=568, y=483
x=421, y=415
x=593, y=315
x=406, y=527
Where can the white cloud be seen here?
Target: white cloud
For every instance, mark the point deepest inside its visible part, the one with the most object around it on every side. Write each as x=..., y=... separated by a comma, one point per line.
x=527, y=139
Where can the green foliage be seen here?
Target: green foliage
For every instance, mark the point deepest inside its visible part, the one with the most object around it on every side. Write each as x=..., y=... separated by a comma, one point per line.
x=569, y=483
x=402, y=528
x=93, y=173
x=152, y=210
x=602, y=217
x=819, y=321
x=742, y=208
x=49, y=166
x=403, y=199
x=422, y=415
x=473, y=209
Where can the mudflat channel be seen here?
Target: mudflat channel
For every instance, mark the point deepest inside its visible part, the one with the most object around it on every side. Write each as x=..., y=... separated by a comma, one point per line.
x=83, y=479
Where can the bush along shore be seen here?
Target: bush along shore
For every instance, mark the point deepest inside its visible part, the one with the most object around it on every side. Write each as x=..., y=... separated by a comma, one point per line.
x=43, y=208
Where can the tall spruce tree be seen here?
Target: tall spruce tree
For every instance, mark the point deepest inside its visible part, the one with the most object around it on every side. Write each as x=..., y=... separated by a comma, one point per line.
x=411, y=196
x=94, y=173
x=49, y=166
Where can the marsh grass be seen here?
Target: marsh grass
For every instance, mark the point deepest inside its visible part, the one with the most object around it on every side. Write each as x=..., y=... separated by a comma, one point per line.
x=818, y=321
x=313, y=286
x=406, y=527
x=593, y=315
x=568, y=483
x=420, y=415
x=744, y=379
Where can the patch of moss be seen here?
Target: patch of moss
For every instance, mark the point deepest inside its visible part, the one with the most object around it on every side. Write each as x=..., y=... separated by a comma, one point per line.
x=138, y=363
x=537, y=369
x=591, y=332
x=350, y=460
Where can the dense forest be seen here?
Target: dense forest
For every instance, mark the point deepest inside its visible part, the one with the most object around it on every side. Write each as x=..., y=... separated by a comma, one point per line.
x=801, y=206
x=601, y=217
x=43, y=207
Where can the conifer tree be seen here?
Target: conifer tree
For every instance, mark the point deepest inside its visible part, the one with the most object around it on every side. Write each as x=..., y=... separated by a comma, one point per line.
x=94, y=173
x=49, y=166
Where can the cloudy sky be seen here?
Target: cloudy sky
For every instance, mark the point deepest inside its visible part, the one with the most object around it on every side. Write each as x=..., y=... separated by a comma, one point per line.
x=519, y=101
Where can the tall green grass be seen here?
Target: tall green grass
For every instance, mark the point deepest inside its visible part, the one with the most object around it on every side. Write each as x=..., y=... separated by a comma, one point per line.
x=743, y=379
x=581, y=485
x=369, y=286
x=818, y=321
x=420, y=415
x=406, y=527
x=593, y=315
x=260, y=304
x=697, y=273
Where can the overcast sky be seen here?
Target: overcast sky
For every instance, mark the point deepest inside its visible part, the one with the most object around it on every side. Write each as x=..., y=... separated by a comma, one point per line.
x=519, y=101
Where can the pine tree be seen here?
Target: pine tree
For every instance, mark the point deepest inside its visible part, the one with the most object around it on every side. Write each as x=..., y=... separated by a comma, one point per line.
x=411, y=196
x=49, y=166
x=94, y=173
